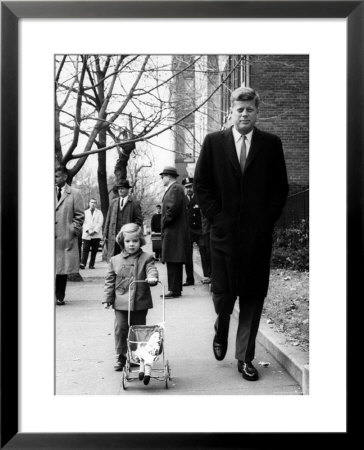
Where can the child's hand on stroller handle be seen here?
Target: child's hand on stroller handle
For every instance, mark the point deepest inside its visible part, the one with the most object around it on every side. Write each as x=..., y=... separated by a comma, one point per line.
x=152, y=281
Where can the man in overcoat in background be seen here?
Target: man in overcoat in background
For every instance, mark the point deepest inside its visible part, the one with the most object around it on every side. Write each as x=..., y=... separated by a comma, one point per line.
x=241, y=186
x=174, y=228
x=195, y=233
x=69, y=219
x=122, y=210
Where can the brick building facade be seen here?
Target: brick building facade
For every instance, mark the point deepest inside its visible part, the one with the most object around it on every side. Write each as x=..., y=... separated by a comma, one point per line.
x=282, y=82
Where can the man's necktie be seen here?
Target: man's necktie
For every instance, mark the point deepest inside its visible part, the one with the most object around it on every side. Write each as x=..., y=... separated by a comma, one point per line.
x=122, y=204
x=243, y=153
x=59, y=193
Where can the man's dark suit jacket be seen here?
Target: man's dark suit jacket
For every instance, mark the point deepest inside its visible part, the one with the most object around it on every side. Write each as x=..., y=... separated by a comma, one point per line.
x=194, y=217
x=241, y=208
x=155, y=223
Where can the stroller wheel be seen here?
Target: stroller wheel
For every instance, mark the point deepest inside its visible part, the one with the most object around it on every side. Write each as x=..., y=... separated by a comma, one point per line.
x=123, y=379
x=168, y=370
x=166, y=374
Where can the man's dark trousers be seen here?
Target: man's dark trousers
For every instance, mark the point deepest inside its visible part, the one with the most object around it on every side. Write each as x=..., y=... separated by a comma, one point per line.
x=249, y=317
x=201, y=242
x=174, y=274
x=61, y=283
x=86, y=245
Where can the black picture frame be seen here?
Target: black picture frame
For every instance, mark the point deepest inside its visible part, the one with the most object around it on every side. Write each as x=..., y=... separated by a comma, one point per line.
x=11, y=12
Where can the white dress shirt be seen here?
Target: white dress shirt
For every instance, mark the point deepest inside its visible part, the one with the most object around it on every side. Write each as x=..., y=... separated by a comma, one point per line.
x=170, y=184
x=238, y=137
x=62, y=191
x=123, y=201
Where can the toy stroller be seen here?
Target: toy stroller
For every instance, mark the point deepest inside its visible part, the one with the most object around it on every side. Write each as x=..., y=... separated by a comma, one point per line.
x=145, y=345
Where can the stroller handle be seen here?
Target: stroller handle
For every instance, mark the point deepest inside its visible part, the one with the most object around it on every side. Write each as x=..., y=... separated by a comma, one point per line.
x=144, y=281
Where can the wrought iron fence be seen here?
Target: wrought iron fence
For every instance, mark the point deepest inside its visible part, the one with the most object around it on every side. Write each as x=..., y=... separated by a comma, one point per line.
x=296, y=209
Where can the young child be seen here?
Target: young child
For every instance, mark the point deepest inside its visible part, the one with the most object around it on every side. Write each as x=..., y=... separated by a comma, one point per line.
x=130, y=265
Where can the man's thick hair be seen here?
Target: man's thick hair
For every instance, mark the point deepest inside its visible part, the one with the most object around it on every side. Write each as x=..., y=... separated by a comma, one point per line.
x=243, y=94
x=130, y=228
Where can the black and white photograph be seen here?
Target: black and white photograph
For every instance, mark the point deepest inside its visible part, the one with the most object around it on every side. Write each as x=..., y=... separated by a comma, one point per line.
x=182, y=224
x=182, y=211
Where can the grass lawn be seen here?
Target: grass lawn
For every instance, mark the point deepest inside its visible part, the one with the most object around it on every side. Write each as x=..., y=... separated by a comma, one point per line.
x=286, y=307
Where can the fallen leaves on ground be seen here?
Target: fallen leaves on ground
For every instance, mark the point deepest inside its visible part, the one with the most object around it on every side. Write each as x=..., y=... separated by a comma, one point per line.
x=286, y=307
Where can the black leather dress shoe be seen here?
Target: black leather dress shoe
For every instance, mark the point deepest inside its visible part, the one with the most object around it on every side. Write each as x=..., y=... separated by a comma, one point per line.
x=60, y=302
x=248, y=371
x=219, y=349
x=170, y=294
x=188, y=284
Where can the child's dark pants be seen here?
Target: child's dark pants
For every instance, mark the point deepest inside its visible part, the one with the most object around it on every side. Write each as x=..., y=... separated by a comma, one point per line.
x=121, y=327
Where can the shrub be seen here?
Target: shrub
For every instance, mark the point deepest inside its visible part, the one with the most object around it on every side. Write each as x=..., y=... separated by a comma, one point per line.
x=290, y=247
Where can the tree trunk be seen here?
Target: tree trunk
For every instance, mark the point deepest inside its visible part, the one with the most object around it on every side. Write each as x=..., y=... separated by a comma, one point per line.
x=58, y=146
x=121, y=165
x=101, y=169
x=102, y=175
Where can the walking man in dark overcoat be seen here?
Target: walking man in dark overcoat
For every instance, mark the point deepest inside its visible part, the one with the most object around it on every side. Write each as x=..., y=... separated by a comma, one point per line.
x=69, y=218
x=122, y=210
x=175, y=240
x=241, y=186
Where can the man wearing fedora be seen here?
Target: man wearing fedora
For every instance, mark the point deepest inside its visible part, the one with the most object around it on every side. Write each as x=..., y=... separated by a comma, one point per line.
x=241, y=186
x=122, y=210
x=174, y=229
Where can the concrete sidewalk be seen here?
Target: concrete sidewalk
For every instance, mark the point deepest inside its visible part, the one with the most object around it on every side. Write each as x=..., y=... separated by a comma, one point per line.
x=85, y=346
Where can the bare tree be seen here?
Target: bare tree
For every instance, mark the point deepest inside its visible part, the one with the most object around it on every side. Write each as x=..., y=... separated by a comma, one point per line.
x=114, y=101
x=147, y=188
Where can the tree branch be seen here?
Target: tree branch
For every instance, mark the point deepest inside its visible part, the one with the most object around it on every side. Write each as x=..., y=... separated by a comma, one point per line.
x=170, y=78
x=130, y=94
x=78, y=114
x=145, y=138
x=60, y=69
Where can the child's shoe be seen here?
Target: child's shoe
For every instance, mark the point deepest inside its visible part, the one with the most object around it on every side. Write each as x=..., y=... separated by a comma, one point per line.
x=141, y=371
x=120, y=362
